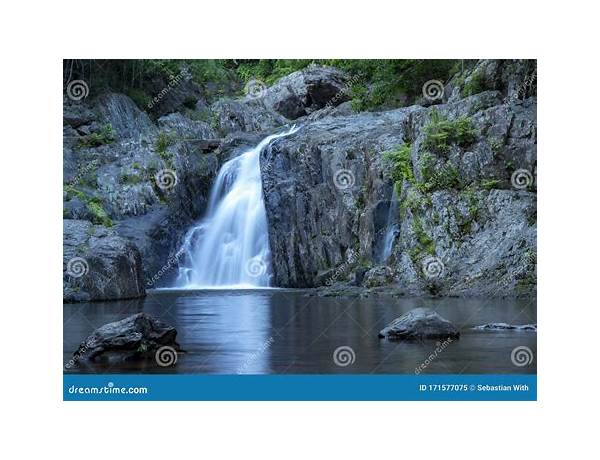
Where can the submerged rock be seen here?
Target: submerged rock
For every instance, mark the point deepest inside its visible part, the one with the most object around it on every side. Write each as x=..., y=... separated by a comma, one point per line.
x=420, y=323
x=506, y=327
x=136, y=336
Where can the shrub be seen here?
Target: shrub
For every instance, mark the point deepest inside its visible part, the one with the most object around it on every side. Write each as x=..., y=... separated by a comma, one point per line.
x=400, y=162
x=102, y=137
x=441, y=133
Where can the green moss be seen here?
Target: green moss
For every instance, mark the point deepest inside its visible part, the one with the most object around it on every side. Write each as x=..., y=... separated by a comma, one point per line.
x=425, y=243
x=163, y=142
x=102, y=137
x=441, y=133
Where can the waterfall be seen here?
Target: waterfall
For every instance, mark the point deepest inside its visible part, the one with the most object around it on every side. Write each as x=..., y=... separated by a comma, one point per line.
x=229, y=247
x=391, y=228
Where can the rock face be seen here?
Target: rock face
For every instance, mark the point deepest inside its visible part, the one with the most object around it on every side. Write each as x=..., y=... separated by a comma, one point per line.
x=136, y=336
x=99, y=265
x=418, y=324
x=466, y=220
x=142, y=181
x=506, y=327
x=466, y=201
x=306, y=91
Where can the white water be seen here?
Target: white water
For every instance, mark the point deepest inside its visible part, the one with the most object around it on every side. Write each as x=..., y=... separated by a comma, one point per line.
x=229, y=247
x=391, y=227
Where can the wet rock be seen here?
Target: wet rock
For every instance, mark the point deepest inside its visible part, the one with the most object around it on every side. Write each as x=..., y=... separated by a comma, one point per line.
x=420, y=323
x=98, y=264
x=506, y=327
x=136, y=336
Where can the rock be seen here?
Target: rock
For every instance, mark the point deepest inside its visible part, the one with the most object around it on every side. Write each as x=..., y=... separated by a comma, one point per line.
x=327, y=189
x=420, y=323
x=98, y=264
x=185, y=128
x=126, y=119
x=378, y=276
x=305, y=91
x=136, y=336
x=506, y=327
x=76, y=114
x=247, y=115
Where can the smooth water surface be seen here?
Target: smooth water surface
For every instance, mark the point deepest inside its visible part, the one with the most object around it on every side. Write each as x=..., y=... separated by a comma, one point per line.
x=286, y=331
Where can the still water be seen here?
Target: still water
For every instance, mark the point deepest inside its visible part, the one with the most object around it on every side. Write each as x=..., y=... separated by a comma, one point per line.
x=278, y=331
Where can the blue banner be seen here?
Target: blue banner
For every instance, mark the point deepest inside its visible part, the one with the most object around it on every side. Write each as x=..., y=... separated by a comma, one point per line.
x=119, y=387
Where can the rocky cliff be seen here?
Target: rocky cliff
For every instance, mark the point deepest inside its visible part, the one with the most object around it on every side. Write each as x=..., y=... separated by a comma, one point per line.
x=463, y=165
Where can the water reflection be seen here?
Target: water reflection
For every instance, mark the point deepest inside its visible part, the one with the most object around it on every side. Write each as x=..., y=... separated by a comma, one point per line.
x=286, y=331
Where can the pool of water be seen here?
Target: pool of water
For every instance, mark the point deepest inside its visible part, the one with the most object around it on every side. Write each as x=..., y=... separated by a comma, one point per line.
x=281, y=331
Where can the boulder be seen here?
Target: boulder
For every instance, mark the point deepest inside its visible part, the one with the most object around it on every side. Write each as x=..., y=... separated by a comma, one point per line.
x=506, y=327
x=247, y=115
x=124, y=116
x=136, y=336
x=418, y=324
x=305, y=91
x=98, y=264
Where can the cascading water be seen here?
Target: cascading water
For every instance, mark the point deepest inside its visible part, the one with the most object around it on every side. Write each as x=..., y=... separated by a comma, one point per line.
x=391, y=228
x=229, y=248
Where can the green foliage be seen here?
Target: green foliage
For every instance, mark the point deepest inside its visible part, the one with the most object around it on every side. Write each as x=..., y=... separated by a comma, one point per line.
x=93, y=204
x=441, y=133
x=141, y=98
x=190, y=102
x=476, y=84
x=437, y=178
x=400, y=163
x=130, y=179
x=496, y=144
x=425, y=244
x=102, y=137
x=490, y=184
x=163, y=142
x=99, y=215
